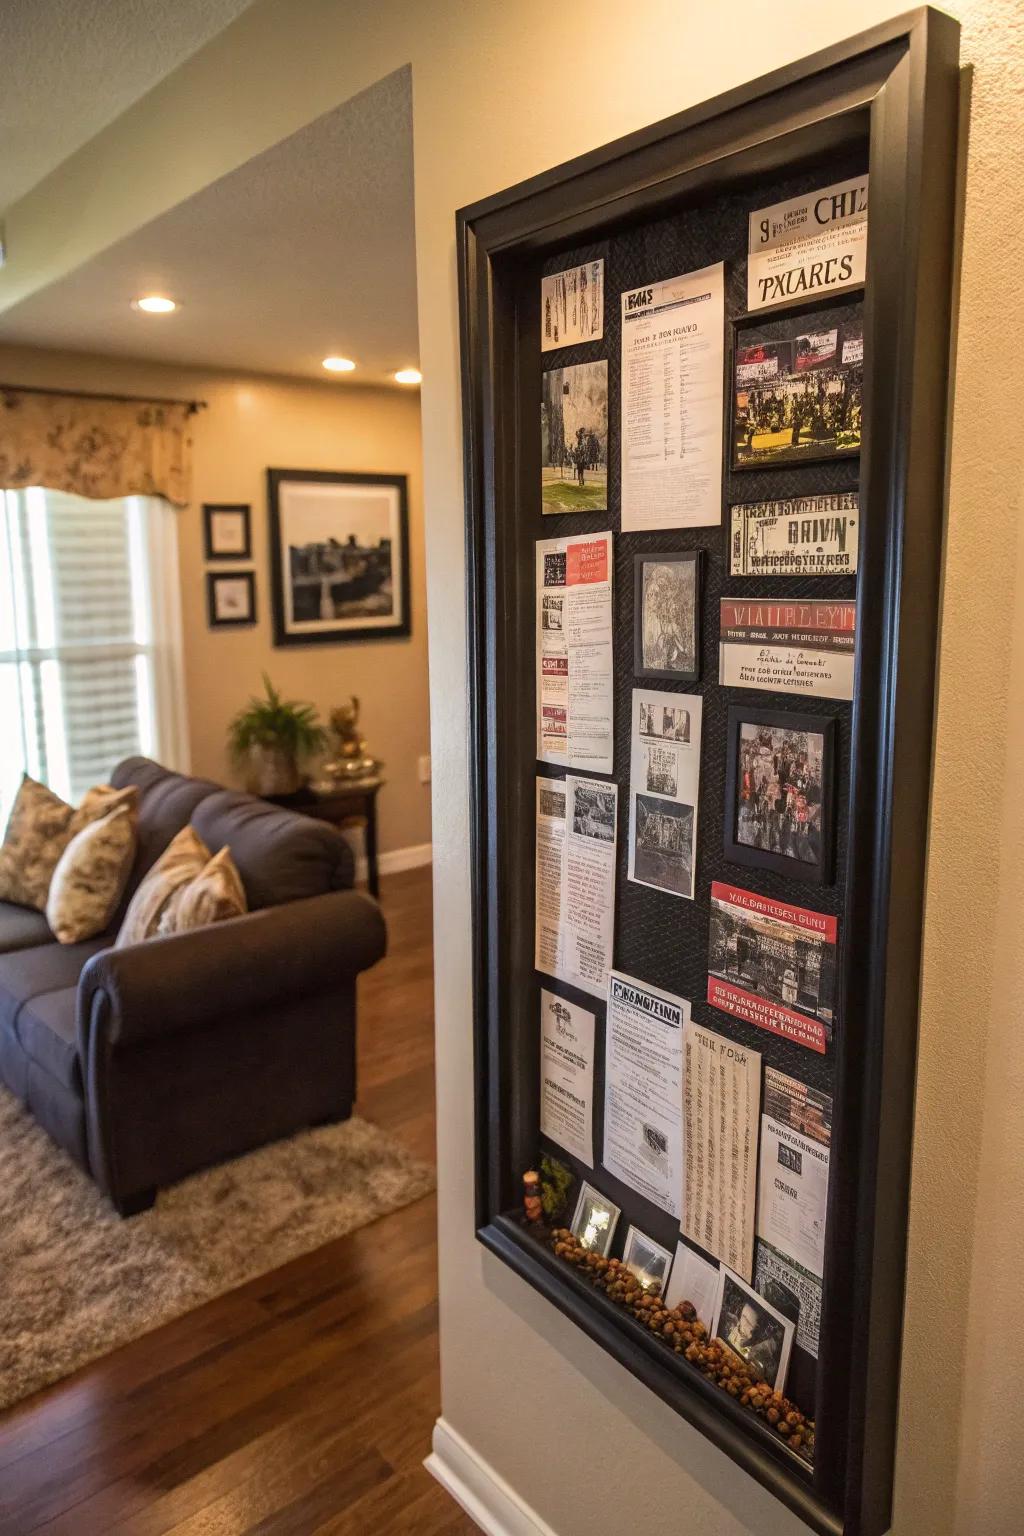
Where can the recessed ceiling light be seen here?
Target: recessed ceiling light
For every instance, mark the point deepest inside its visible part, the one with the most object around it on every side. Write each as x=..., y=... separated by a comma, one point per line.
x=339, y=364
x=408, y=376
x=154, y=304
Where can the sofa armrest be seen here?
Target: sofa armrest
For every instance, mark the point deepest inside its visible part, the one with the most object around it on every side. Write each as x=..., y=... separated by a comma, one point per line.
x=187, y=980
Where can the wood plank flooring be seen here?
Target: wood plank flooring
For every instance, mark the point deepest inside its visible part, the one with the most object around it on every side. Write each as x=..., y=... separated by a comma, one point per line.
x=299, y=1405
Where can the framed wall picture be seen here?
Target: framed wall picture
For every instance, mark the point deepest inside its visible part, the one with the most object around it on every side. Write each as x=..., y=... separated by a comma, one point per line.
x=227, y=531
x=798, y=387
x=594, y=1220
x=339, y=556
x=666, y=615
x=230, y=598
x=779, y=773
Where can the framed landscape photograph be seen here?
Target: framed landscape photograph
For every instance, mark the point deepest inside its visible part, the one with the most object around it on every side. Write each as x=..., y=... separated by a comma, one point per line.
x=230, y=598
x=779, y=773
x=339, y=556
x=797, y=390
x=227, y=533
x=574, y=438
x=666, y=615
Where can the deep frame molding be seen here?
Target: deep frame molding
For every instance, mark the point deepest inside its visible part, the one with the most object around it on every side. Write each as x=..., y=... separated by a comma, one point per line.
x=895, y=87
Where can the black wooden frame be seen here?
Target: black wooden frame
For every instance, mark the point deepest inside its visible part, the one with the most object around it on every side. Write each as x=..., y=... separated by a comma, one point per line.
x=212, y=578
x=209, y=510
x=894, y=88
x=400, y=630
x=760, y=858
x=694, y=557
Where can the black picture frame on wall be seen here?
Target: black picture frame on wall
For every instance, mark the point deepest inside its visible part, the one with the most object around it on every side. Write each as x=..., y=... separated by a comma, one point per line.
x=780, y=815
x=888, y=98
x=339, y=556
x=227, y=530
x=678, y=625
x=230, y=599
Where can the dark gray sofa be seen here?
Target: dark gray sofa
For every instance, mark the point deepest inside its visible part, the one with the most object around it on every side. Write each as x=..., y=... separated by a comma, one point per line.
x=150, y=1062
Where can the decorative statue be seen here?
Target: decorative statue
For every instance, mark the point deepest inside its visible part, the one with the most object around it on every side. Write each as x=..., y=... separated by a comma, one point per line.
x=351, y=759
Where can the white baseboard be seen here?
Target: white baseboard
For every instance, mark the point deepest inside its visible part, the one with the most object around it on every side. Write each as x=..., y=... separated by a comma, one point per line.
x=397, y=859
x=472, y=1482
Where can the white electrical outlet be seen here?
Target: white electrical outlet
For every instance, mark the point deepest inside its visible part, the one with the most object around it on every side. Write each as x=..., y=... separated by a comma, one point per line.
x=424, y=769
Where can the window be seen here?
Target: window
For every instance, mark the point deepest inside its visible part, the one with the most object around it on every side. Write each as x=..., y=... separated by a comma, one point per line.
x=90, y=638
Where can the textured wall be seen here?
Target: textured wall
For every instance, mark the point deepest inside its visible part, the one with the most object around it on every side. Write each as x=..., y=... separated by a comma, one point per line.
x=252, y=423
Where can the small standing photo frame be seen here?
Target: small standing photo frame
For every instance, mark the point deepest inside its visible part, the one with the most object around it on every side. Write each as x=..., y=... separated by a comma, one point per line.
x=666, y=615
x=230, y=598
x=227, y=531
x=594, y=1221
x=779, y=778
x=753, y=1329
x=647, y=1260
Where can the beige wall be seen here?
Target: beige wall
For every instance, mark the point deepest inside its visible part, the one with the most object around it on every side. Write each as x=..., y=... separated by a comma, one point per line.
x=501, y=92
x=252, y=423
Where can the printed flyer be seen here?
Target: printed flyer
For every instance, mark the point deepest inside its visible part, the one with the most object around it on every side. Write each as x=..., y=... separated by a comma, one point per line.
x=816, y=243
x=664, y=787
x=808, y=536
x=575, y=881
x=643, y=1100
x=772, y=964
x=567, y=1076
x=787, y=645
x=574, y=652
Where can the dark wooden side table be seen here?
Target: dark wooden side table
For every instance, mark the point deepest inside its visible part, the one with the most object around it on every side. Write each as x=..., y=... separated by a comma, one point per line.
x=342, y=805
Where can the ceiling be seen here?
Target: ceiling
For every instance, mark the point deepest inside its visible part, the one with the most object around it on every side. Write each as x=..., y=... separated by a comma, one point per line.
x=304, y=251
x=71, y=66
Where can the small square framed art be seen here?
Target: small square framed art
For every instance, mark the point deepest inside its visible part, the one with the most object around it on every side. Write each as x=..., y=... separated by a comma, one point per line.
x=779, y=776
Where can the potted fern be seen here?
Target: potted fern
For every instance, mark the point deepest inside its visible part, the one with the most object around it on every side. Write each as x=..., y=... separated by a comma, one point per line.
x=271, y=738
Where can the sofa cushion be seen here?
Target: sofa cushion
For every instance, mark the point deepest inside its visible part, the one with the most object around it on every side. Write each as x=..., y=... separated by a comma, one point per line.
x=29, y=973
x=22, y=928
x=46, y=1031
x=281, y=856
x=185, y=857
x=212, y=897
x=91, y=874
x=40, y=827
x=166, y=803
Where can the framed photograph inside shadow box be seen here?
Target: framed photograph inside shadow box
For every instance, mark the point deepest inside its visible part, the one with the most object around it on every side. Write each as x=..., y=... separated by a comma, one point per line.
x=666, y=615
x=779, y=774
x=339, y=556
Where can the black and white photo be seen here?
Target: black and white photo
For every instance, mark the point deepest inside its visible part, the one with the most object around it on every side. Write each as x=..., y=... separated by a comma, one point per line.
x=230, y=598
x=647, y=1260
x=227, y=533
x=574, y=438
x=663, y=845
x=779, y=773
x=666, y=608
x=753, y=1329
x=594, y=1220
x=593, y=811
x=339, y=547
x=664, y=722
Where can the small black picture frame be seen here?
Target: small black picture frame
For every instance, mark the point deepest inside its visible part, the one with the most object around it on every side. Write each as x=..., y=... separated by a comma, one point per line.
x=685, y=649
x=339, y=556
x=227, y=608
x=227, y=530
x=779, y=815
x=767, y=429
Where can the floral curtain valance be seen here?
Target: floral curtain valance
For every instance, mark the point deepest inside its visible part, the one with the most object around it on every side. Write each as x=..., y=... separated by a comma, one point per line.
x=94, y=447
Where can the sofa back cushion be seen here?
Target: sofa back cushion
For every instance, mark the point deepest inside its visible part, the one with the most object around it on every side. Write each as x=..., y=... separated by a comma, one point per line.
x=165, y=805
x=281, y=856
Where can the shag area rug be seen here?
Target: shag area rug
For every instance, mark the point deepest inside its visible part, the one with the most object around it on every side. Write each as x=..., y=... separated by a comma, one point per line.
x=76, y=1281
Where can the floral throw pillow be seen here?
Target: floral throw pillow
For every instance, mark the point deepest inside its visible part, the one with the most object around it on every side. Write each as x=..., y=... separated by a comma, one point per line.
x=90, y=877
x=185, y=857
x=39, y=828
x=216, y=893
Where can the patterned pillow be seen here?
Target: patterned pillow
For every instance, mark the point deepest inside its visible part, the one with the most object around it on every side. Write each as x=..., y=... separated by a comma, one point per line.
x=91, y=875
x=216, y=893
x=184, y=857
x=40, y=827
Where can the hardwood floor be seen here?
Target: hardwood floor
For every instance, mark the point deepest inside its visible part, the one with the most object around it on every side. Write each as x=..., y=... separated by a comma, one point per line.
x=299, y=1405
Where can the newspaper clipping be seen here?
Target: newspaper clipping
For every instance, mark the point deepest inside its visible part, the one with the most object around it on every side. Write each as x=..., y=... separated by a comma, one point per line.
x=672, y=361
x=664, y=783
x=567, y=1076
x=793, y=1291
x=643, y=1095
x=572, y=306
x=721, y=1103
x=808, y=536
x=574, y=652
x=793, y=1194
x=787, y=646
x=772, y=964
x=812, y=244
x=575, y=881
